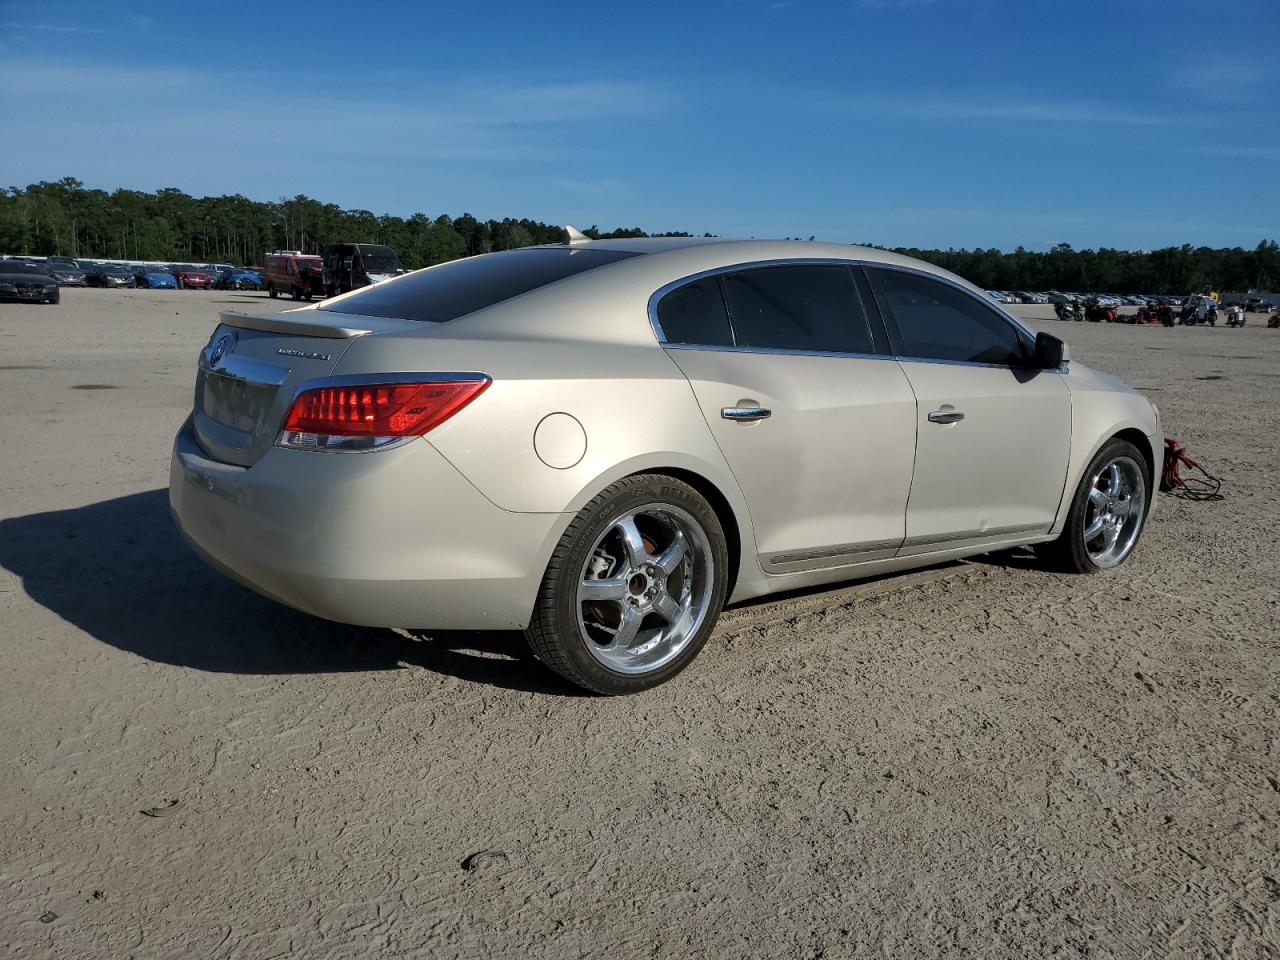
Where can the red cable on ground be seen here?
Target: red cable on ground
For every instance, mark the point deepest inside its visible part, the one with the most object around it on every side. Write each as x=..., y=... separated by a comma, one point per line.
x=1206, y=487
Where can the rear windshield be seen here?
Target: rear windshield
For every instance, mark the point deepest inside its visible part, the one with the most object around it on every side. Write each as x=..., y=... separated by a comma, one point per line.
x=440, y=294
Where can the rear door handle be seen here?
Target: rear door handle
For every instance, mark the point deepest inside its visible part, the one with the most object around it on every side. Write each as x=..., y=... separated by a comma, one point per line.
x=746, y=413
x=946, y=416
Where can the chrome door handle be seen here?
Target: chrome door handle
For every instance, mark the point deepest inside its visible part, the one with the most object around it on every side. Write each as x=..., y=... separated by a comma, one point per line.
x=746, y=413
x=946, y=416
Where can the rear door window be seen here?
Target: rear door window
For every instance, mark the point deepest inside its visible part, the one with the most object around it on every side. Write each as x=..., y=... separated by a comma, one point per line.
x=695, y=314
x=933, y=320
x=807, y=307
x=450, y=290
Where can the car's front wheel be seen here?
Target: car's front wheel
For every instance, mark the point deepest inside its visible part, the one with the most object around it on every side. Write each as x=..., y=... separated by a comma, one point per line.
x=634, y=587
x=1107, y=513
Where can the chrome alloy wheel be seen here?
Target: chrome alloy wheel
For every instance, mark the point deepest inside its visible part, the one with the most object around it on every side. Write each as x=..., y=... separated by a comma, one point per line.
x=645, y=588
x=1115, y=511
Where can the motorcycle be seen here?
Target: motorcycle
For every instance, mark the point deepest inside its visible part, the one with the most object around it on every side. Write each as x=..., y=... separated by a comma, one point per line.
x=1095, y=312
x=1068, y=311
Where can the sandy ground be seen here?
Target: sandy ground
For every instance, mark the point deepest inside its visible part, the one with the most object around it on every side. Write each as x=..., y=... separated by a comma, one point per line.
x=979, y=760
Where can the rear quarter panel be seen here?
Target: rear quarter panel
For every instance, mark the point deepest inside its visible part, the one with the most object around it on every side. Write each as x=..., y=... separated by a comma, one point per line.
x=636, y=410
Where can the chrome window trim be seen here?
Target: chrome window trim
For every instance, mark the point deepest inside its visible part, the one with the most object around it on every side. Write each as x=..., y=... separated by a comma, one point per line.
x=656, y=297
x=780, y=351
x=850, y=356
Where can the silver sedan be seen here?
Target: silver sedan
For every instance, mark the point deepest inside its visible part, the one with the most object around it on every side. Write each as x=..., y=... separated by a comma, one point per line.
x=603, y=443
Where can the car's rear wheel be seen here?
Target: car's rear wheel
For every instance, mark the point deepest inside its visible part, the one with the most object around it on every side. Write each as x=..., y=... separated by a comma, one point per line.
x=1108, y=512
x=271, y=292
x=634, y=587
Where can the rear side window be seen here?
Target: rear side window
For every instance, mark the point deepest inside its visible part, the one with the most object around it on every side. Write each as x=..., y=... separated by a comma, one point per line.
x=935, y=321
x=439, y=294
x=695, y=313
x=807, y=307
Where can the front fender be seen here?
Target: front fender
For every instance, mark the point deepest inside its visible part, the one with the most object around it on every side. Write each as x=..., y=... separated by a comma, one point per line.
x=1085, y=445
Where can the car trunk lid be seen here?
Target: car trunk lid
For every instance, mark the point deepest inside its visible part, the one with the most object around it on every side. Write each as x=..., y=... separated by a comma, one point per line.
x=254, y=366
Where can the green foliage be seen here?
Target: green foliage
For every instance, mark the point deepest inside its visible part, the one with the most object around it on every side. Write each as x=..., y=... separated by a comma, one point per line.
x=63, y=217
x=1176, y=270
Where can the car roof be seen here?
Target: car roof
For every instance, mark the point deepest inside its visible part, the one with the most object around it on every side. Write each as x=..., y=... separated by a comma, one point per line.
x=571, y=307
x=753, y=250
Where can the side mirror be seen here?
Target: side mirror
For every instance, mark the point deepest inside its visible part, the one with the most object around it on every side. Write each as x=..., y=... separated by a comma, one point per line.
x=1050, y=352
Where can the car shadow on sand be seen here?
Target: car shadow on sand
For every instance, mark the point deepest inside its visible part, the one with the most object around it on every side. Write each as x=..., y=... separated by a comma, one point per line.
x=120, y=572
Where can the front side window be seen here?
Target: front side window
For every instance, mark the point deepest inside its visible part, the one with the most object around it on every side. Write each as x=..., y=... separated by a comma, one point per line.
x=935, y=321
x=805, y=307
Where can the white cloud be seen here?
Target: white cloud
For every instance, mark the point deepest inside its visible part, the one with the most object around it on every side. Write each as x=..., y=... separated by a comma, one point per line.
x=51, y=27
x=121, y=124
x=1227, y=78
x=994, y=106
x=1235, y=152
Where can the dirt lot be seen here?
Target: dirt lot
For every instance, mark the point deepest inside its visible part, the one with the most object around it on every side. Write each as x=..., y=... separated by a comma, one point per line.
x=983, y=759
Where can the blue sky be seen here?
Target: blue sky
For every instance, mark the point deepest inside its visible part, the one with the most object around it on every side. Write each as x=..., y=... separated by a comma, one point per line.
x=1130, y=123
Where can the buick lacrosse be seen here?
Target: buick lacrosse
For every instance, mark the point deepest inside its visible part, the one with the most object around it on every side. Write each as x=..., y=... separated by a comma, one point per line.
x=603, y=443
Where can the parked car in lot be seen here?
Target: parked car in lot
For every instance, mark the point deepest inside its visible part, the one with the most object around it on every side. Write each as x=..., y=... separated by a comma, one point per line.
x=1258, y=305
x=154, y=278
x=299, y=275
x=603, y=443
x=237, y=279
x=108, y=275
x=22, y=281
x=349, y=266
x=66, y=271
x=194, y=278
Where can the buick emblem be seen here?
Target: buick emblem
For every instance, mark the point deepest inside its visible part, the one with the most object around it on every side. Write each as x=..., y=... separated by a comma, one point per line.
x=220, y=348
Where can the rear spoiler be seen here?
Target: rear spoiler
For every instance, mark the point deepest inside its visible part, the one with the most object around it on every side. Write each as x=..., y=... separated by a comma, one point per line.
x=309, y=322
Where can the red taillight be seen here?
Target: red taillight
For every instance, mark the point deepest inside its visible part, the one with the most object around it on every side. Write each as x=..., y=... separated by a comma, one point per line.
x=380, y=410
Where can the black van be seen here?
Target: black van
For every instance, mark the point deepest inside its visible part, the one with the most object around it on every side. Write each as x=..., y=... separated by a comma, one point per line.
x=348, y=266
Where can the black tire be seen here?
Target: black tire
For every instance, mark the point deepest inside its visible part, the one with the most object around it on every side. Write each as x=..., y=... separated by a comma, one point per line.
x=306, y=294
x=555, y=632
x=271, y=292
x=1069, y=552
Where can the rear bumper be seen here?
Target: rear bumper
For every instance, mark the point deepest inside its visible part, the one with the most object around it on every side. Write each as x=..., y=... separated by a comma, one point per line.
x=394, y=538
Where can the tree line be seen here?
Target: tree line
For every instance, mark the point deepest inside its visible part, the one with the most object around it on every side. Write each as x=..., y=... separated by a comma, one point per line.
x=64, y=218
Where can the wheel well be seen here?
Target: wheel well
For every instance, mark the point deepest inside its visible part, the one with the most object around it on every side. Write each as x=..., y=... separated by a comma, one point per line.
x=724, y=513
x=1143, y=443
